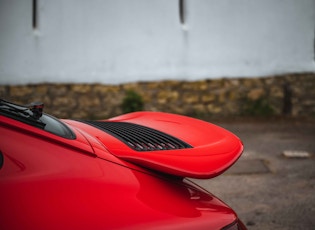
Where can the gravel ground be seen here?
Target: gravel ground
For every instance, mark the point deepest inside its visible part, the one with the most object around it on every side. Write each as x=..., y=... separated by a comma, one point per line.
x=265, y=188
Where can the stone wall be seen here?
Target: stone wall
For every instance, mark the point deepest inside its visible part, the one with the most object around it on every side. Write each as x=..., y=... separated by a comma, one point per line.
x=290, y=95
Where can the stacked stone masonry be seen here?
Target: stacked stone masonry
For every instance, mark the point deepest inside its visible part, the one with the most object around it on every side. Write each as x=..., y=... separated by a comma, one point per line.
x=290, y=95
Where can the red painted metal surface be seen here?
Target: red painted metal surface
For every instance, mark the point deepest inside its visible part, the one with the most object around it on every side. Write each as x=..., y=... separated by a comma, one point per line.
x=213, y=151
x=50, y=182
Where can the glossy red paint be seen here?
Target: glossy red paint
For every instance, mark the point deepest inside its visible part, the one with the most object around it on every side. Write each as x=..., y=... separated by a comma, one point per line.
x=50, y=182
x=214, y=148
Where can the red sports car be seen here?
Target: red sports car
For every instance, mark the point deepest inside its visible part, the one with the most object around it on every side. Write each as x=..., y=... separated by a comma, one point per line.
x=128, y=172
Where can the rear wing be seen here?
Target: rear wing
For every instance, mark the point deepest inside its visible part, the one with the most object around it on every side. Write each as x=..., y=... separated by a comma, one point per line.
x=169, y=143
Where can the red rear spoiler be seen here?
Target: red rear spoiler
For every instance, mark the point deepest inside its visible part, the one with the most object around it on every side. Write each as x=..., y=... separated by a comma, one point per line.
x=169, y=143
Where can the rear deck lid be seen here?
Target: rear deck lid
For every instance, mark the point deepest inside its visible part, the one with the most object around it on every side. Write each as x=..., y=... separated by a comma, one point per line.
x=169, y=143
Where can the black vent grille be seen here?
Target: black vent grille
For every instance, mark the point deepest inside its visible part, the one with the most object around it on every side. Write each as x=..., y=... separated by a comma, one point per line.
x=138, y=137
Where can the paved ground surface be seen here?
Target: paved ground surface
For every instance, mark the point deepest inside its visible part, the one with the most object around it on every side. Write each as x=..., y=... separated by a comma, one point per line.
x=267, y=189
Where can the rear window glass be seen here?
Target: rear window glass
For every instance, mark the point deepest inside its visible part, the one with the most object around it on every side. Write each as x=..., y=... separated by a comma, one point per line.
x=36, y=118
x=55, y=126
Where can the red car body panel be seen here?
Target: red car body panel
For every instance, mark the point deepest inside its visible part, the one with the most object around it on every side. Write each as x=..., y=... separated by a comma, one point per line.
x=50, y=182
x=218, y=148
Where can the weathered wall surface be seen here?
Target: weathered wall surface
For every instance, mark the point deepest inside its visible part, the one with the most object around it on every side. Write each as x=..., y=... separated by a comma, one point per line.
x=119, y=41
x=292, y=95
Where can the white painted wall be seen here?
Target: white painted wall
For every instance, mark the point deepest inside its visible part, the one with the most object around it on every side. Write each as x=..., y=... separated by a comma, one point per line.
x=116, y=41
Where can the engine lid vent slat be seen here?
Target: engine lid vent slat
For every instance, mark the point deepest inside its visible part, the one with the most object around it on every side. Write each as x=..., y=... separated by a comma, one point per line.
x=138, y=137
